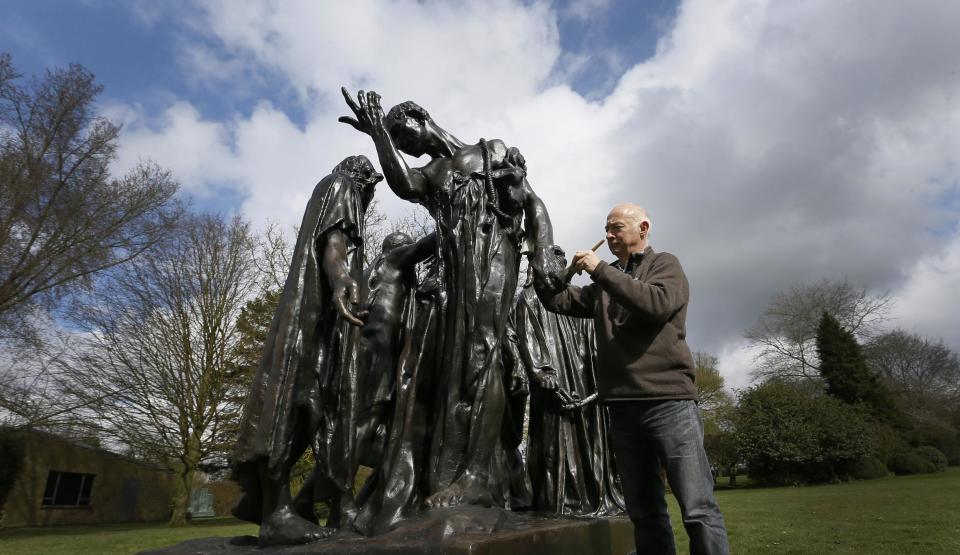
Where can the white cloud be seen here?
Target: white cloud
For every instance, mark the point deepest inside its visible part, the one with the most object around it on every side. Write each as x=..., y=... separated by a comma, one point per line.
x=197, y=151
x=774, y=143
x=929, y=300
x=736, y=362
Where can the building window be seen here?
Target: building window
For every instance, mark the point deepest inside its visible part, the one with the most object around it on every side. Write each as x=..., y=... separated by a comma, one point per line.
x=67, y=489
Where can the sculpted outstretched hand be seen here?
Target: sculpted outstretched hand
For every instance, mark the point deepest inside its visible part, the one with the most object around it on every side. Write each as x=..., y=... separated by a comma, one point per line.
x=367, y=111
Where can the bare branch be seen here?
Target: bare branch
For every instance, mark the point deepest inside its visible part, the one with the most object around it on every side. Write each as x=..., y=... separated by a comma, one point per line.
x=786, y=331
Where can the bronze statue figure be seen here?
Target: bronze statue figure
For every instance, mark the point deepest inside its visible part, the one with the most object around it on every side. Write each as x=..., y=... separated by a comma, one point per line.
x=570, y=464
x=387, y=301
x=400, y=481
x=296, y=394
x=426, y=383
x=478, y=195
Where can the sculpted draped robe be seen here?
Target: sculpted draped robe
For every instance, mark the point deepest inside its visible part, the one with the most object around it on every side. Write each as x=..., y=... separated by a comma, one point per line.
x=300, y=387
x=568, y=456
x=450, y=375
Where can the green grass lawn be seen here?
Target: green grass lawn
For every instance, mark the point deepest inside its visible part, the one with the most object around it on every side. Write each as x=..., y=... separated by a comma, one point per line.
x=911, y=514
x=899, y=515
x=97, y=539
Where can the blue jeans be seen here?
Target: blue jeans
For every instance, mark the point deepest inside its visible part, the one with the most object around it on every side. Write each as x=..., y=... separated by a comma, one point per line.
x=650, y=436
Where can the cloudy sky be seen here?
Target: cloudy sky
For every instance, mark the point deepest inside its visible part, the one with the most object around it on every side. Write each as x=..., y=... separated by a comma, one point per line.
x=774, y=143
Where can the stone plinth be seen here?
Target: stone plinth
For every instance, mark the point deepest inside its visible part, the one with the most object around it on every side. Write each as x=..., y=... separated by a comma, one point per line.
x=461, y=530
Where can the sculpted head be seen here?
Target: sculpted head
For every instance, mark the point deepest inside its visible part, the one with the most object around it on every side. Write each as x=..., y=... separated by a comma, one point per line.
x=627, y=228
x=359, y=169
x=408, y=125
x=395, y=240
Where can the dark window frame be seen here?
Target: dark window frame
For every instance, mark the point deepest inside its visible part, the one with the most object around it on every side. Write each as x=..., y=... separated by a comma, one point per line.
x=58, y=492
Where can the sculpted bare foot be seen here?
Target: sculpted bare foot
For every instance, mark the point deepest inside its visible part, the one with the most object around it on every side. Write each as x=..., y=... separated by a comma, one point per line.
x=465, y=491
x=284, y=527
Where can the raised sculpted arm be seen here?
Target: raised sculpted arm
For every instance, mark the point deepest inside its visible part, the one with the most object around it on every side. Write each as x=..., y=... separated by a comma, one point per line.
x=408, y=183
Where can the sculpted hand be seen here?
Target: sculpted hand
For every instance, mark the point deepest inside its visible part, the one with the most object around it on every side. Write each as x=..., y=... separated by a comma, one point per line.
x=586, y=260
x=367, y=111
x=566, y=400
x=548, y=269
x=346, y=293
x=545, y=379
x=519, y=384
x=514, y=159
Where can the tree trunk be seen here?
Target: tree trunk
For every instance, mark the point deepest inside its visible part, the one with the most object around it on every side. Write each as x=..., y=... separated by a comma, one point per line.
x=181, y=496
x=184, y=484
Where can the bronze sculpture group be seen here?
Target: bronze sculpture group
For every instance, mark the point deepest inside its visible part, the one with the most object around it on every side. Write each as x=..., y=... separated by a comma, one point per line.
x=422, y=380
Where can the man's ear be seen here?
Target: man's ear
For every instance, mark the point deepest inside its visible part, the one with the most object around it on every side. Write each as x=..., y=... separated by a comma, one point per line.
x=644, y=226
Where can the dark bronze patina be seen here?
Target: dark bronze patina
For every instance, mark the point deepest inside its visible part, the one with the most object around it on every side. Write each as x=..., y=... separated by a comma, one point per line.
x=570, y=464
x=425, y=382
x=300, y=394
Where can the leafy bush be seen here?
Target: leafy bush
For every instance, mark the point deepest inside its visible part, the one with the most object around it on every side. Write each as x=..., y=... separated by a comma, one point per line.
x=888, y=441
x=794, y=434
x=934, y=455
x=868, y=468
x=939, y=433
x=911, y=462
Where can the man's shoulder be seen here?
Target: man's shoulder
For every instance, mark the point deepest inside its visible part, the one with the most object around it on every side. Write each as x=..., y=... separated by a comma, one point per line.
x=664, y=258
x=653, y=262
x=664, y=263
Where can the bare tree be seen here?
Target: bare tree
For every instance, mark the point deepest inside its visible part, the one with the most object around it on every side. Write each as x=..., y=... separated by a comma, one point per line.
x=916, y=367
x=786, y=332
x=29, y=379
x=417, y=223
x=161, y=348
x=63, y=218
x=272, y=254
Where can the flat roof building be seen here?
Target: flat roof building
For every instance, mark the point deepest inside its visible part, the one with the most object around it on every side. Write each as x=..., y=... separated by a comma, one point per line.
x=62, y=481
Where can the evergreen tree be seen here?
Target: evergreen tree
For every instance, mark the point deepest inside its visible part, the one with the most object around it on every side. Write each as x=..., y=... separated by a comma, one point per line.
x=846, y=373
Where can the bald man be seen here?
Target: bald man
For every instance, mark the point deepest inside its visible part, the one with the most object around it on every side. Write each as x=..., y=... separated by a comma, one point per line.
x=646, y=379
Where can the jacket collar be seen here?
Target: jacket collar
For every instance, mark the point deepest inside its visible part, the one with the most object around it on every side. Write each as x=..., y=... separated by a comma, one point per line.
x=635, y=259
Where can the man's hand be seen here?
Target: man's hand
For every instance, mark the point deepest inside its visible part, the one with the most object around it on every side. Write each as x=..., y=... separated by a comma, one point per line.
x=346, y=293
x=367, y=111
x=585, y=260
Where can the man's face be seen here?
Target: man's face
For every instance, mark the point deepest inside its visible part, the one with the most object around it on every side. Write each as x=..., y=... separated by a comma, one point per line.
x=624, y=236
